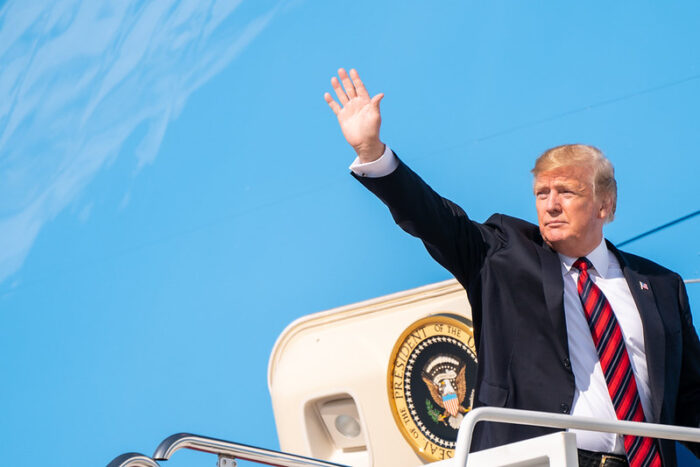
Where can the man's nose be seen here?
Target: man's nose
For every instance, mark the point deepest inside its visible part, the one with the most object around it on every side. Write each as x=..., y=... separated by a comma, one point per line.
x=553, y=204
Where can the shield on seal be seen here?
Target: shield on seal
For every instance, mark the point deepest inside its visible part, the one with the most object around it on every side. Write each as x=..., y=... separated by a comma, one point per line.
x=451, y=403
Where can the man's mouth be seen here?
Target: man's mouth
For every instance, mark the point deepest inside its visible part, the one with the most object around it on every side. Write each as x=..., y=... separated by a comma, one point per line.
x=555, y=224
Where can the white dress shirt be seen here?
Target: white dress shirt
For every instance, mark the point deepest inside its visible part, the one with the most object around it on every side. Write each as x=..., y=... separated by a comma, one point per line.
x=386, y=164
x=591, y=396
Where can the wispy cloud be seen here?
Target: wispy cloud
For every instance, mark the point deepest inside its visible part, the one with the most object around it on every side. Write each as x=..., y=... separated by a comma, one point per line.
x=77, y=78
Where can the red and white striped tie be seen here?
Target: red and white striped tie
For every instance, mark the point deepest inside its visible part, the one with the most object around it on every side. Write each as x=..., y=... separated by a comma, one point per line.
x=607, y=336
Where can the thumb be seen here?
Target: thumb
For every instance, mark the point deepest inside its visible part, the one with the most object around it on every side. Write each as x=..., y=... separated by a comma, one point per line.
x=377, y=99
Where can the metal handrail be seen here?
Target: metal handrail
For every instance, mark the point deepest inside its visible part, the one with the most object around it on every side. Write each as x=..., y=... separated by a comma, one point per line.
x=133, y=459
x=236, y=450
x=553, y=420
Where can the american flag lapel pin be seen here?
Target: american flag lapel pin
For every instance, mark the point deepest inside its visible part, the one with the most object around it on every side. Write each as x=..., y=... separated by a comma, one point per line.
x=643, y=285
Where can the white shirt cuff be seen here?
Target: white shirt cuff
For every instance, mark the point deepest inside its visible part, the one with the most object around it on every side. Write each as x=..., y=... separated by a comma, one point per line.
x=375, y=169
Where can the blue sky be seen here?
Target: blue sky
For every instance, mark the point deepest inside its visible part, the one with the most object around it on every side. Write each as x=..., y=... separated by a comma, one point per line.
x=174, y=189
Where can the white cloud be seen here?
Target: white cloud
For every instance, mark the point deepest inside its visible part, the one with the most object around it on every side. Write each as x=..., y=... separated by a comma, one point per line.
x=77, y=78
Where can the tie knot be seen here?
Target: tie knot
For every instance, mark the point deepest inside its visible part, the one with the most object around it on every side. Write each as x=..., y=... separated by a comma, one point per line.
x=582, y=264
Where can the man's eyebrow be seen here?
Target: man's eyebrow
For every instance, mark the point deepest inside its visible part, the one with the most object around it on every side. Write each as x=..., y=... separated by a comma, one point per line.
x=559, y=184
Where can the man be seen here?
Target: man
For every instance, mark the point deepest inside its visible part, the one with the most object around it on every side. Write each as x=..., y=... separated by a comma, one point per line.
x=564, y=322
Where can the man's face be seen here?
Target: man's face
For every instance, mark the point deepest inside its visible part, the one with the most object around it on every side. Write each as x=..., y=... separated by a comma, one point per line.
x=570, y=216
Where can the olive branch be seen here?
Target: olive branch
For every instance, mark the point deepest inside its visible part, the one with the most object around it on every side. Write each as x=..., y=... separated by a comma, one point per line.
x=432, y=411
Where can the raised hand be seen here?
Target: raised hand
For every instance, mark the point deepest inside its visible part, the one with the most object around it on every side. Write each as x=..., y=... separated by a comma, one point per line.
x=358, y=115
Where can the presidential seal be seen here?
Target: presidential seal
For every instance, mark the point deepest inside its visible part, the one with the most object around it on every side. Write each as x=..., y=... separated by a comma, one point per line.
x=431, y=379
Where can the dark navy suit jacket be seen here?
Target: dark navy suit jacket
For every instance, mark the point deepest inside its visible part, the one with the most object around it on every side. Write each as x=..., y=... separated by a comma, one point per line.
x=516, y=289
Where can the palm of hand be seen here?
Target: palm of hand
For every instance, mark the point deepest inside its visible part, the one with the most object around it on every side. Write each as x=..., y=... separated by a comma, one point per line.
x=359, y=120
x=358, y=114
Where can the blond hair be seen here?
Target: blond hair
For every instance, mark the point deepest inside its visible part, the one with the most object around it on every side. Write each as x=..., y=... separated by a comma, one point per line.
x=583, y=155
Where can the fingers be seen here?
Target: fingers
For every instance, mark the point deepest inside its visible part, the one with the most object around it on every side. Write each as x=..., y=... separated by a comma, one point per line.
x=342, y=97
x=359, y=85
x=347, y=83
x=352, y=87
x=335, y=107
x=377, y=99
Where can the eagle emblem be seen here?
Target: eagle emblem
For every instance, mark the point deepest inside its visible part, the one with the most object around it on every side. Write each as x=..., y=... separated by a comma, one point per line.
x=431, y=378
x=445, y=378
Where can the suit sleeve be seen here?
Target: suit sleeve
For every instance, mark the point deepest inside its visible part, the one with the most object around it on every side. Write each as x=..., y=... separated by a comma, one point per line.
x=452, y=239
x=688, y=404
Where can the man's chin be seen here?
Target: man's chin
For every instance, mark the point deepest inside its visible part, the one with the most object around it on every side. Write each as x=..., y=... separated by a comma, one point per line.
x=552, y=236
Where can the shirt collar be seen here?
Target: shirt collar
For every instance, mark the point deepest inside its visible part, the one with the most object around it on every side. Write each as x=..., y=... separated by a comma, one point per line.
x=598, y=258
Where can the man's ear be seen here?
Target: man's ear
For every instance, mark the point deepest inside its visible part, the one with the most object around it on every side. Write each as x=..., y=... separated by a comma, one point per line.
x=606, y=208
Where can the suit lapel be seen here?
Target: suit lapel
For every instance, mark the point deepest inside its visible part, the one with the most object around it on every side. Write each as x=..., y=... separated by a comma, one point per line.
x=654, y=336
x=553, y=285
